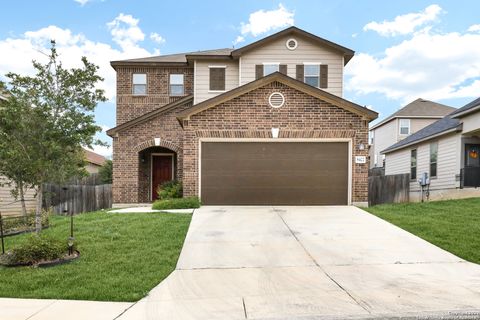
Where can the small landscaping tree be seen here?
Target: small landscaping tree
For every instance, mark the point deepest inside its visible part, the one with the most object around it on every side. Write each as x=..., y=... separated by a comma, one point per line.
x=60, y=102
x=17, y=127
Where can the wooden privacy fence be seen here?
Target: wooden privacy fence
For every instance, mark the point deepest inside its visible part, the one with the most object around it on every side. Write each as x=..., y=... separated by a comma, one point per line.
x=388, y=189
x=73, y=199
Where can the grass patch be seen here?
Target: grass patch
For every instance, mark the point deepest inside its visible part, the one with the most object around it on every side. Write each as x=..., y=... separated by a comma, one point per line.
x=178, y=203
x=123, y=256
x=453, y=225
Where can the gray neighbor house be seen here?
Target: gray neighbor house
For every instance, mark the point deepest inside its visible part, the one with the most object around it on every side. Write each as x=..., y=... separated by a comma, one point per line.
x=448, y=151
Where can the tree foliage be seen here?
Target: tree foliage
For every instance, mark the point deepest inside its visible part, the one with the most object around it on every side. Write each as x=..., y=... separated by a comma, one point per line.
x=106, y=172
x=53, y=114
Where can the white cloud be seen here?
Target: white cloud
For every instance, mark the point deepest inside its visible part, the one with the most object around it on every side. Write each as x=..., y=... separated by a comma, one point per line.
x=474, y=28
x=126, y=32
x=428, y=65
x=405, y=24
x=238, y=40
x=263, y=21
x=82, y=2
x=18, y=52
x=157, y=38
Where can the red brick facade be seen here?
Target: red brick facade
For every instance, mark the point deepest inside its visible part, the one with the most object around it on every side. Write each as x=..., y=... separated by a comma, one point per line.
x=301, y=117
x=130, y=106
x=246, y=116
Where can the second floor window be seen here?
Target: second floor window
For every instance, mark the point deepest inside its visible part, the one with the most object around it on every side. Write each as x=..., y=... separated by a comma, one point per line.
x=404, y=126
x=433, y=159
x=413, y=164
x=177, y=87
x=270, y=68
x=312, y=74
x=217, y=79
x=139, y=81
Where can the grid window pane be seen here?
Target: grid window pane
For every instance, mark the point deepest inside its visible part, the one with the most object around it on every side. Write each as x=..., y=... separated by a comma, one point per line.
x=139, y=78
x=433, y=159
x=404, y=126
x=313, y=81
x=270, y=68
x=139, y=83
x=140, y=89
x=176, y=90
x=176, y=79
x=312, y=70
x=413, y=164
x=176, y=85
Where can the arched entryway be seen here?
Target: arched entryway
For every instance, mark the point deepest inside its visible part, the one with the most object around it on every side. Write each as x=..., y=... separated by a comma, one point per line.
x=157, y=164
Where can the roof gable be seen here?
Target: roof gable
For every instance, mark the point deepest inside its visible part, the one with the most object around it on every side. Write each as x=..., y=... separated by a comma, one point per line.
x=419, y=108
x=347, y=53
x=279, y=77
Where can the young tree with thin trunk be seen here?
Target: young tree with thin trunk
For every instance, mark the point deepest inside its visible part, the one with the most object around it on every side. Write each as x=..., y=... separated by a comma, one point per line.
x=61, y=103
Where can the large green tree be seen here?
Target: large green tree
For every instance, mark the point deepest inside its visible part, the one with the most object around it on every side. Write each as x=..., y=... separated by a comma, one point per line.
x=60, y=102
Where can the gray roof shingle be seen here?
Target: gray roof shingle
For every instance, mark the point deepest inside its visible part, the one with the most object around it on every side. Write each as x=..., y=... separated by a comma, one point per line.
x=178, y=57
x=419, y=108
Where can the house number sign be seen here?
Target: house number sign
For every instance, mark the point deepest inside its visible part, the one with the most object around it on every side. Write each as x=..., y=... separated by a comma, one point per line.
x=360, y=159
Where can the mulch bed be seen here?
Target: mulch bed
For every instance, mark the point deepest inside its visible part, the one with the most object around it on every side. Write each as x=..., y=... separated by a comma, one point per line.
x=48, y=263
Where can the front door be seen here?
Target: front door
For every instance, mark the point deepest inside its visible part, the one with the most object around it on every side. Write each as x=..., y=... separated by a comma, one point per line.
x=162, y=171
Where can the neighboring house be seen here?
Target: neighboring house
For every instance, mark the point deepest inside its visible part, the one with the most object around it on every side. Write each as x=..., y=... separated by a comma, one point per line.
x=262, y=124
x=414, y=116
x=447, y=150
x=94, y=161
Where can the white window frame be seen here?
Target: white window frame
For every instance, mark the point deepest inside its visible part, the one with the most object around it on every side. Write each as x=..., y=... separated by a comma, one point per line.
x=176, y=84
x=400, y=127
x=276, y=64
x=305, y=75
x=140, y=83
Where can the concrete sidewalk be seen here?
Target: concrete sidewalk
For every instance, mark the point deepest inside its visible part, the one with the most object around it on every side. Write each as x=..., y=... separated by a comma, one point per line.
x=39, y=309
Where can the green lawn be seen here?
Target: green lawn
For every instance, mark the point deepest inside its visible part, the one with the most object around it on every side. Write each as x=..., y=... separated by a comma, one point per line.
x=123, y=256
x=453, y=225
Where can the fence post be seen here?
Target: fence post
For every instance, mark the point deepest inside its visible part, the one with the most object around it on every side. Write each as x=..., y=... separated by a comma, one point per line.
x=1, y=233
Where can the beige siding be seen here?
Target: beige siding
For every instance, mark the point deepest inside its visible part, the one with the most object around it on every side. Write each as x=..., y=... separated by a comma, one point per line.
x=417, y=124
x=6, y=199
x=397, y=162
x=306, y=51
x=384, y=137
x=448, y=162
x=389, y=134
x=471, y=122
x=202, y=78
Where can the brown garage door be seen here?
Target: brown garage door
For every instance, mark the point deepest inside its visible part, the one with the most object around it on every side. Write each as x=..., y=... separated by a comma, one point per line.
x=274, y=173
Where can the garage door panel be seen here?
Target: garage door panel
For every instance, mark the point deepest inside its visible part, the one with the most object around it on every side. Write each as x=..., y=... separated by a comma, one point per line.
x=282, y=173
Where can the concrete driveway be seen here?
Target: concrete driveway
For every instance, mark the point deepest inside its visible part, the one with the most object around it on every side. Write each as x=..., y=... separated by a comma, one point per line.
x=309, y=263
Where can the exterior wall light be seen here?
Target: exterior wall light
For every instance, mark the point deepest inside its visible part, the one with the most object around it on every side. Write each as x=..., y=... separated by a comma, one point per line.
x=275, y=132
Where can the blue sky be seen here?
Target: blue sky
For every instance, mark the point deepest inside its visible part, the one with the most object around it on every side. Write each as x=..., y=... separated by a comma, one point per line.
x=404, y=49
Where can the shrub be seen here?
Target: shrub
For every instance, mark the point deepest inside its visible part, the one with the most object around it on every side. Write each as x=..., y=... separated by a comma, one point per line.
x=35, y=249
x=170, y=190
x=15, y=224
x=178, y=203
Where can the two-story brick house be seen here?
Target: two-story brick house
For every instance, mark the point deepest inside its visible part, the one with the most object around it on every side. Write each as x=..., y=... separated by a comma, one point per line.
x=261, y=124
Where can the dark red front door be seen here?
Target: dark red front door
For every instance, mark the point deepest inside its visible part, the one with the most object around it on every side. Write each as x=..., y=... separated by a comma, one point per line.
x=162, y=169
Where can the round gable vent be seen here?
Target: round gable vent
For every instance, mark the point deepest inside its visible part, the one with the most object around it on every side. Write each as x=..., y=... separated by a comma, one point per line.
x=276, y=100
x=291, y=44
